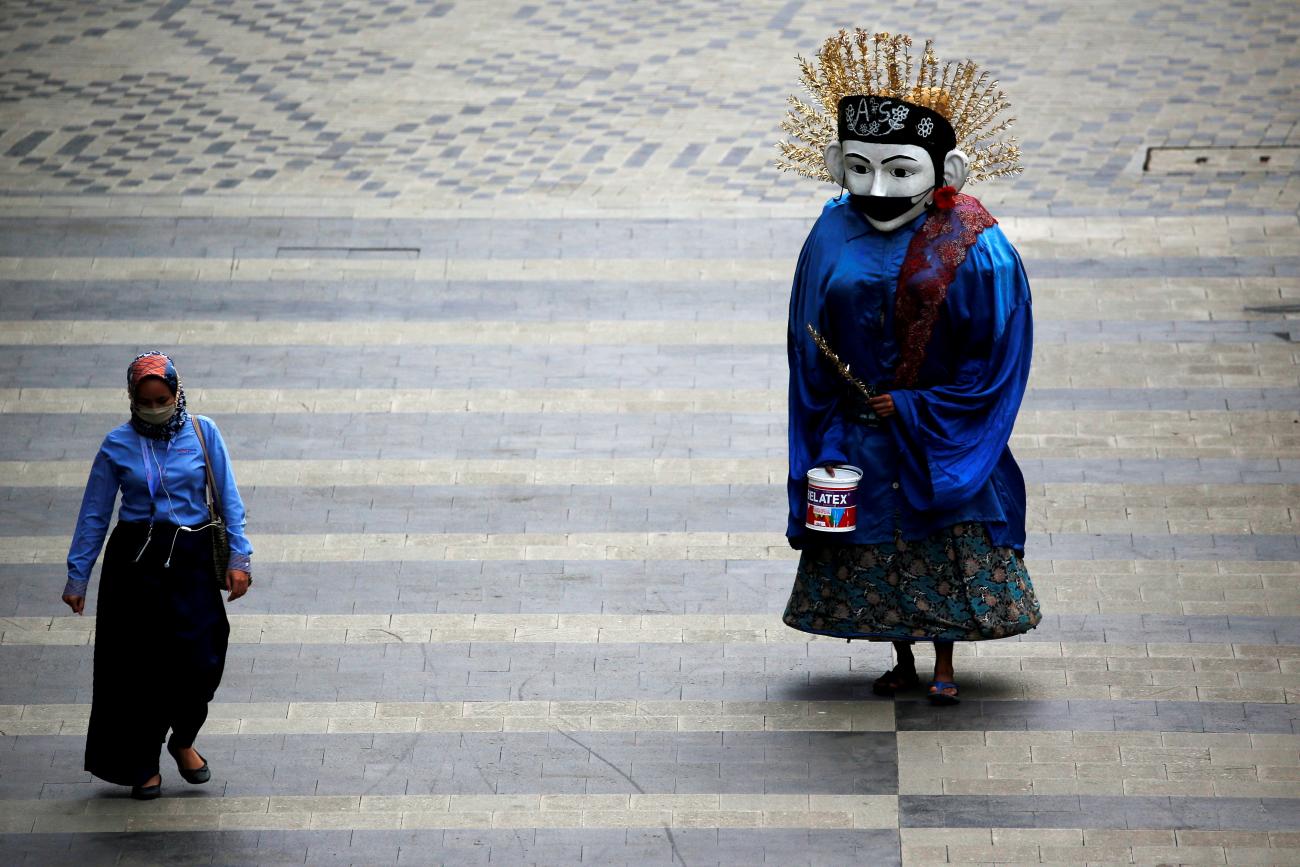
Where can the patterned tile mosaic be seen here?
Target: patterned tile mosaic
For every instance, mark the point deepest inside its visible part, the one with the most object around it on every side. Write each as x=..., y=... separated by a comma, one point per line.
x=449, y=102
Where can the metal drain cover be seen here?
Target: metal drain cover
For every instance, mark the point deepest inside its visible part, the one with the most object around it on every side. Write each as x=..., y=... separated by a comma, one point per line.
x=1185, y=161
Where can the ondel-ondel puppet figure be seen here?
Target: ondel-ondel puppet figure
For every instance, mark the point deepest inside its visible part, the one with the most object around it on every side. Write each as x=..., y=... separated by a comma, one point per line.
x=909, y=343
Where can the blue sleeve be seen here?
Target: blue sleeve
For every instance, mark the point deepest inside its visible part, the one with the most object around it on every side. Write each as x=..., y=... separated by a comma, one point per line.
x=816, y=426
x=92, y=524
x=952, y=435
x=232, y=505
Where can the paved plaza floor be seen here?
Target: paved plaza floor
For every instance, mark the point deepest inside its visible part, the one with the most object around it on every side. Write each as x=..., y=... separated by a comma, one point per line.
x=489, y=300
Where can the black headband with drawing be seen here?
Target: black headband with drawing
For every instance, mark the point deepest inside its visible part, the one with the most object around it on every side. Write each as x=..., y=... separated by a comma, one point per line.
x=894, y=121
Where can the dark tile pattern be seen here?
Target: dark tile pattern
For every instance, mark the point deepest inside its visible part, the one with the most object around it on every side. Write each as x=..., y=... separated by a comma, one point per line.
x=586, y=90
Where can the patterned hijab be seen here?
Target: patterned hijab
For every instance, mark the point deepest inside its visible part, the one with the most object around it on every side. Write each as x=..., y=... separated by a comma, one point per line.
x=159, y=365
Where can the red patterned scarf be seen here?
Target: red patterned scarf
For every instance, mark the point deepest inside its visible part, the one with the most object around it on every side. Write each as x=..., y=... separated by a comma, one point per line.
x=159, y=365
x=936, y=252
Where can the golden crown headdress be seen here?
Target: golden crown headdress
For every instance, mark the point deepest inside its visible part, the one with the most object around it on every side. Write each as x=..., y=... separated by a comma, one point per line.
x=881, y=64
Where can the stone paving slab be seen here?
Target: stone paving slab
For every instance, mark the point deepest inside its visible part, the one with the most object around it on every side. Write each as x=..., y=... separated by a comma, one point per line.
x=1251, y=720
x=613, y=846
x=1059, y=237
x=527, y=440
x=1076, y=715
x=688, y=629
x=616, y=332
x=518, y=716
x=1085, y=845
x=672, y=545
x=1223, y=479
x=1120, y=298
x=1141, y=814
x=385, y=509
x=1256, y=588
x=1097, y=763
x=482, y=771
x=537, y=366
x=1126, y=666
x=483, y=811
x=1276, y=258
x=1259, y=363
x=1056, y=479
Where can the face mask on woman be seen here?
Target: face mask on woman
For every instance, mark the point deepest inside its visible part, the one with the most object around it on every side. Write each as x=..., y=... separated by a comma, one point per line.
x=156, y=414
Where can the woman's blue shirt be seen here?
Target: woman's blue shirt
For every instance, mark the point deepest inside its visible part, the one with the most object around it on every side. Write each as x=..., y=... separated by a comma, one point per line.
x=160, y=481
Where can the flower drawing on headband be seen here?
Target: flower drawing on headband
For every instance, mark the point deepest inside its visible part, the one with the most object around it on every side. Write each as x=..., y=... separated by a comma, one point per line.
x=945, y=198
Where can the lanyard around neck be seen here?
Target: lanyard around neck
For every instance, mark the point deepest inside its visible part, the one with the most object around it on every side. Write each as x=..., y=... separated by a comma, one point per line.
x=148, y=468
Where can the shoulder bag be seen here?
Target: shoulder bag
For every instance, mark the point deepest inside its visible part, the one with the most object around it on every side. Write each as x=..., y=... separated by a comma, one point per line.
x=220, y=538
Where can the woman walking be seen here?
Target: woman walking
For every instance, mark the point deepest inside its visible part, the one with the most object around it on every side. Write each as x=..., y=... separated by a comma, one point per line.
x=161, y=628
x=909, y=343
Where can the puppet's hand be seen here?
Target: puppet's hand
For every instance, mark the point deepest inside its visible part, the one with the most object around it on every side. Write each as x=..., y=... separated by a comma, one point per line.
x=882, y=405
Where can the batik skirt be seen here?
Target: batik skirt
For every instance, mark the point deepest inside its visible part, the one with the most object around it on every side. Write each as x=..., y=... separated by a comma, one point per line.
x=953, y=585
x=160, y=648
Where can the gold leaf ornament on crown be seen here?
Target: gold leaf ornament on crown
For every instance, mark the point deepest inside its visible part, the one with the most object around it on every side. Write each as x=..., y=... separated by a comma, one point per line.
x=881, y=64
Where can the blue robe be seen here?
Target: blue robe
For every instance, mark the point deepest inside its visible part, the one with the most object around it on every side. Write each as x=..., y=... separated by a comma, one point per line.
x=943, y=459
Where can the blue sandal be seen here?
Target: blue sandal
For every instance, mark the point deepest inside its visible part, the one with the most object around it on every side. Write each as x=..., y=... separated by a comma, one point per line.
x=941, y=698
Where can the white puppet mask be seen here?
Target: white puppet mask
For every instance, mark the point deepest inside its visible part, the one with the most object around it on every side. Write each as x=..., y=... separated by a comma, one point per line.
x=890, y=183
x=889, y=155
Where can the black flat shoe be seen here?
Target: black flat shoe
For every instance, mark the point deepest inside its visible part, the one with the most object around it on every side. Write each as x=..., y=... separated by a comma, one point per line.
x=895, y=680
x=196, y=776
x=147, y=793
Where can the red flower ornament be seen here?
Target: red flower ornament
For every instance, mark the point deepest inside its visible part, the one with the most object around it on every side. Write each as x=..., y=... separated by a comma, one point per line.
x=945, y=198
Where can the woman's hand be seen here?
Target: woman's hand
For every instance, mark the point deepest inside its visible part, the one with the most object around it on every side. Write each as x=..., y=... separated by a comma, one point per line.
x=76, y=603
x=238, y=581
x=882, y=405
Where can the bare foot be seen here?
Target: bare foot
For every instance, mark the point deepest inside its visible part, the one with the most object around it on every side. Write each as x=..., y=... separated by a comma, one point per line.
x=155, y=780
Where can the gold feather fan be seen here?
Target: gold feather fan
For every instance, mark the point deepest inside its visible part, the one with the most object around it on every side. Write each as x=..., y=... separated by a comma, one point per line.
x=881, y=64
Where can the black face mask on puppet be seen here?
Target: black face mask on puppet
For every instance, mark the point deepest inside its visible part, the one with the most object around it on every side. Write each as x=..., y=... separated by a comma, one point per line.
x=888, y=128
x=882, y=209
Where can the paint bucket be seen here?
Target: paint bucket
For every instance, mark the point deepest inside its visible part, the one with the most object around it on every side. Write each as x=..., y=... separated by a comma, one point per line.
x=833, y=500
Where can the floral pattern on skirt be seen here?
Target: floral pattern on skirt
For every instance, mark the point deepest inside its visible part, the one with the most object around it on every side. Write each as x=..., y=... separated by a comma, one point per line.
x=953, y=585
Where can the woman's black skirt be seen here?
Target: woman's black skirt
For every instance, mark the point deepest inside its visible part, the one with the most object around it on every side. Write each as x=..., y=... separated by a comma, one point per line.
x=160, y=648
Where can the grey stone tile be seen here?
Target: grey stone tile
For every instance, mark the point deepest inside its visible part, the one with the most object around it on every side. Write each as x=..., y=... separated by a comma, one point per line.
x=389, y=300
x=332, y=436
x=457, y=671
x=1079, y=715
x=1122, y=812
x=585, y=763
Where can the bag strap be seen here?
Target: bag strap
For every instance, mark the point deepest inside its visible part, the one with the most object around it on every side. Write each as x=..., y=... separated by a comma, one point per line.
x=210, y=489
